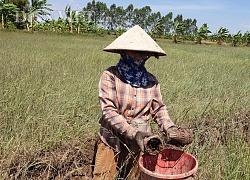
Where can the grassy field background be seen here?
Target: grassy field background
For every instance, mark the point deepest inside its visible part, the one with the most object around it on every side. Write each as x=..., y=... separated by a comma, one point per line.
x=49, y=97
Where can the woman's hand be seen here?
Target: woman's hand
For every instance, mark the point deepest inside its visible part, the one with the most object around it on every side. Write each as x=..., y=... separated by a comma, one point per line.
x=179, y=136
x=140, y=136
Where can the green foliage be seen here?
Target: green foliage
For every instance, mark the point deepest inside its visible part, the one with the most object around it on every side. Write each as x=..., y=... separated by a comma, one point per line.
x=120, y=30
x=178, y=31
x=97, y=15
x=157, y=29
x=70, y=16
x=247, y=37
x=22, y=5
x=236, y=39
x=202, y=33
x=167, y=23
x=37, y=9
x=221, y=35
x=7, y=13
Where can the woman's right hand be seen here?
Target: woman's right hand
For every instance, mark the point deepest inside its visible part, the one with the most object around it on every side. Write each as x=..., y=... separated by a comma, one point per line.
x=140, y=136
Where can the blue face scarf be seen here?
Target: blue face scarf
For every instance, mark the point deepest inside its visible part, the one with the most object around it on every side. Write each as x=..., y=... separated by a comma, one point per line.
x=133, y=71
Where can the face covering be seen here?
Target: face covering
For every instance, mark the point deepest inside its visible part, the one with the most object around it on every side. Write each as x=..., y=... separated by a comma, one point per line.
x=133, y=70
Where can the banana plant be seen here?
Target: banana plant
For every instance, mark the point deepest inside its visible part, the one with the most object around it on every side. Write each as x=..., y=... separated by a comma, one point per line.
x=236, y=39
x=69, y=21
x=37, y=9
x=120, y=30
x=202, y=33
x=60, y=25
x=247, y=38
x=221, y=35
x=100, y=30
x=157, y=29
x=178, y=31
x=7, y=12
x=2, y=13
x=75, y=22
x=78, y=20
x=38, y=27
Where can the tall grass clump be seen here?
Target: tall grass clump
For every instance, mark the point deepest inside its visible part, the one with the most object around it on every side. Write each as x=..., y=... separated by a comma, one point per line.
x=207, y=88
x=49, y=96
x=48, y=91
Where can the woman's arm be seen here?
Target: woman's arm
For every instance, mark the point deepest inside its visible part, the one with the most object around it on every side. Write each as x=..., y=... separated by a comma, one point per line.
x=109, y=105
x=159, y=110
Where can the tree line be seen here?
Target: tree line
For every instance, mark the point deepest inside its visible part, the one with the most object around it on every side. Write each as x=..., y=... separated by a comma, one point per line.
x=97, y=17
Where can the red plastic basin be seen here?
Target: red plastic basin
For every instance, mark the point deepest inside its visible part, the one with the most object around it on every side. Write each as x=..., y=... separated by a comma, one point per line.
x=170, y=164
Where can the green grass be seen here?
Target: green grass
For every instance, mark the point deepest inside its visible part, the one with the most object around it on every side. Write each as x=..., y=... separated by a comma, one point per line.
x=49, y=94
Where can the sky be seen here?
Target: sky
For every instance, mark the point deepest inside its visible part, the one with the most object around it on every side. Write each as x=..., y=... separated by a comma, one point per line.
x=231, y=14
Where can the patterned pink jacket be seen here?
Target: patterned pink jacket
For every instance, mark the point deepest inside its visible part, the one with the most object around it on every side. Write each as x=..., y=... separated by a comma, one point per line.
x=121, y=102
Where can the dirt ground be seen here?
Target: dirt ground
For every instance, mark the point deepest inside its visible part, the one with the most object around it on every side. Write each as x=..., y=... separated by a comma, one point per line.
x=73, y=160
x=64, y=161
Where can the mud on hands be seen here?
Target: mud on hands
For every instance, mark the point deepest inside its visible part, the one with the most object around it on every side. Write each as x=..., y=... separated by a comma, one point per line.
x=149, y=143
x=179, y=136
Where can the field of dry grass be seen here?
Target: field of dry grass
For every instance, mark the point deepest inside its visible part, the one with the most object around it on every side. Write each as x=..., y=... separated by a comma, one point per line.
x=49, y=108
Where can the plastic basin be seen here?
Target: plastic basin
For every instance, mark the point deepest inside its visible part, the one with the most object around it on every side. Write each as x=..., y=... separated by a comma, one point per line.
x=170, y=164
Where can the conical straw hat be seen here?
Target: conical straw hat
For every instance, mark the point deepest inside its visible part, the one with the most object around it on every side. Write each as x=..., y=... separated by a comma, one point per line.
x=135, y=39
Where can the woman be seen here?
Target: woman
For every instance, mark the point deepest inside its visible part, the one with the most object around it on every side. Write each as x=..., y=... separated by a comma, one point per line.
x=129, y=96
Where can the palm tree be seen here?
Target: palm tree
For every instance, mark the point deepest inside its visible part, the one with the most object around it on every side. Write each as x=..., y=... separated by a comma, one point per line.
x=202, y=33
x=221, y=35
x=37, y=9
